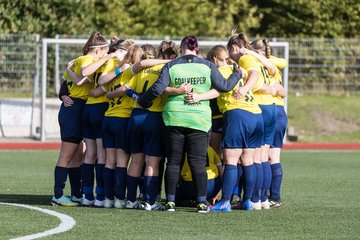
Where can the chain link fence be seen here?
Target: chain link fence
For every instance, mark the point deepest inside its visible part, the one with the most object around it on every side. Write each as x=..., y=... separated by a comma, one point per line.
x=321, y=66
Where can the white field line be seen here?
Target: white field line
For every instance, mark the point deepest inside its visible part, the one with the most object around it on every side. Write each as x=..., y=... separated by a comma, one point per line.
x=66, y=224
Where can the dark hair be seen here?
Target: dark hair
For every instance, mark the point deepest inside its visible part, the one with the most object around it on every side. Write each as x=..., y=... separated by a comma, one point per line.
x=167, y=50
x=239, y=40
x=115, y=44
x=190, y=42
x=262, y=44
x=149, y=50
x=95, y=40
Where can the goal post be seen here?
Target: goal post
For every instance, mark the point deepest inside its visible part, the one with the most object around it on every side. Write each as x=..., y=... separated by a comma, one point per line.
x=58, y=42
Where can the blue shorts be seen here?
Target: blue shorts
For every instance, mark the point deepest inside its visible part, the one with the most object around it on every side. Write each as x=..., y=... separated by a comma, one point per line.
x=281, y=124
x=217, y=125
x=70, y=120
x=145, y=132
x=92, y=117
x=269, y=118
x=114, y=133
x=242, y=129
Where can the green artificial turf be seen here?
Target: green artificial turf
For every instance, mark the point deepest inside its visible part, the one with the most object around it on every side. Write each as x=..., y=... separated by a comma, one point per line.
x=320, y=198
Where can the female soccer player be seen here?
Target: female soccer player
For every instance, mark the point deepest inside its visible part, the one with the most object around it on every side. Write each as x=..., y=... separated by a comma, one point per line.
x=115, y=129
x=92, y=118
x=70, y=117
x=145, y=133
x=263, y=47
x=263, y=96
x=241, y=130
x=187, y=125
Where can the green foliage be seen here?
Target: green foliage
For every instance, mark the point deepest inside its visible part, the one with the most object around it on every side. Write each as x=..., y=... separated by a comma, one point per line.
x=310, y=18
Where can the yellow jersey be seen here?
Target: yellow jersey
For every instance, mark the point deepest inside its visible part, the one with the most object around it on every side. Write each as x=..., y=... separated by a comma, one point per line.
x=249, y=62
x=106, y=68
x=277, y=78
x=123, y=105
x=143, y=80
x=280, y=63
x=227, y=102
x=212, y=162
x=83, y=90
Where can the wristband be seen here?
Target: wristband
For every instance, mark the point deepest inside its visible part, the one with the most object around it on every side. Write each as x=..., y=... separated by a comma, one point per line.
x=117, y=72
x=131, y=93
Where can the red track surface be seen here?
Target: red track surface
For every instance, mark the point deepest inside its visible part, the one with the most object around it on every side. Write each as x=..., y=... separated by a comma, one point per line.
x=289, y=146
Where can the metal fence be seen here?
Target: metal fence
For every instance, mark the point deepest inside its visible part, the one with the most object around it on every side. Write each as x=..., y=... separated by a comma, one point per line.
x=321, y=66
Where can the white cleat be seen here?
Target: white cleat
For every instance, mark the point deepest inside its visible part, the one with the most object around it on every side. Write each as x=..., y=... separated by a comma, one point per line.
x=120, y=203
x=134, y=205
x=256, y=205
x=87, y=203
x=154, y=207
x=108, y=203
x=265, y=205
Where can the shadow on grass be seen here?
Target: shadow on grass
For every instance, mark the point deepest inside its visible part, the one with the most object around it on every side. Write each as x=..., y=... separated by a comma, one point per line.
x=26, y=199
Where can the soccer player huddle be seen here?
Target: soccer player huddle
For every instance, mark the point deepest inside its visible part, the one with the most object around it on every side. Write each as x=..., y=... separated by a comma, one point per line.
x=213, y=126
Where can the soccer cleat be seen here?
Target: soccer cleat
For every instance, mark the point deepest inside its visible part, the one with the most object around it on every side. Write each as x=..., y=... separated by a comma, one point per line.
x=235, y=199
x=274, y=204
x=63, y=201
x=203, y=207
x=170, y=206
x=99, y=203
x=120, y=203
x=246, y=205
x=221, y=206
x=134, y=205
x=265, y=205
x=77, y=200
x=155, y=207
x=256, y=205
x=108, y=203
x=87, y=203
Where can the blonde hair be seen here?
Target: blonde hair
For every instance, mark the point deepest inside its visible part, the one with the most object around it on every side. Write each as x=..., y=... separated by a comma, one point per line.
x=149, y=50
x=220, y=52
x=134, y=54
x=239, y=40
x=167, y=50
x=262, y=44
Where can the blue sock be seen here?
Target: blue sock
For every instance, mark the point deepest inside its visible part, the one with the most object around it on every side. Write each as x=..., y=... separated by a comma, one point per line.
x=241, y=181
x=239, y=173
x=99, y=170
x=277, y=175
x=229, y=180
x=131, y=184
x=151, y=188
x=258, y=182
x=266, y=182
x=249, y=181
x=109, y=183
x=75, y=181
x=120, y=182
x=87, y=174
x=60, y=175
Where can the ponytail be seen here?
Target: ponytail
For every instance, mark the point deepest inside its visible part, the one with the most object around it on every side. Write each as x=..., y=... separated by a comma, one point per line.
x=239, y=40
x=267, y=47
x=263, y=45
x=94, y=41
